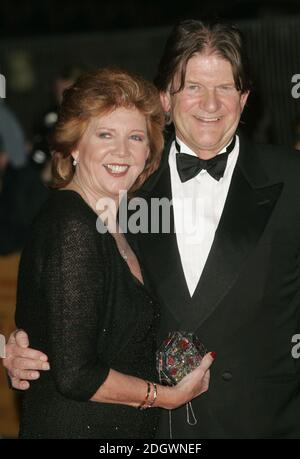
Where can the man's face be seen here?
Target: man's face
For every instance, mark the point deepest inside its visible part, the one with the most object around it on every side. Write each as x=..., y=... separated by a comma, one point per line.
x=206, y=112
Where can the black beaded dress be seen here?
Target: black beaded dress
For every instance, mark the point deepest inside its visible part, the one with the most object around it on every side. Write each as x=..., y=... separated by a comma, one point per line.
x=81, y=305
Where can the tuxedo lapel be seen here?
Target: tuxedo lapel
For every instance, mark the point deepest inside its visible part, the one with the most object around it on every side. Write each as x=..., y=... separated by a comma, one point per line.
x=248, y=207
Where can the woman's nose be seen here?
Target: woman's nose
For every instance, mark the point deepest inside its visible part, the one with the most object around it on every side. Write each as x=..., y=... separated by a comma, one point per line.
x=121, y=149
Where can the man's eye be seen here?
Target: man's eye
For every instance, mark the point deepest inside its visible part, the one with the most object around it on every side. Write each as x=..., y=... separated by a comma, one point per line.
x=226, y=87
x=193, y=87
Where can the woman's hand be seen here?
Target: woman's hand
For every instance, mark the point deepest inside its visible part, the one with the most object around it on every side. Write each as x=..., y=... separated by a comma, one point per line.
x=191, y=386
x=22, y=362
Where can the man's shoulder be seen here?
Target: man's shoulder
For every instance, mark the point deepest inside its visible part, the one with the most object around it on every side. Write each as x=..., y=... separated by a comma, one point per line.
x=281, y=158
x=278, y=161
x=278, y=152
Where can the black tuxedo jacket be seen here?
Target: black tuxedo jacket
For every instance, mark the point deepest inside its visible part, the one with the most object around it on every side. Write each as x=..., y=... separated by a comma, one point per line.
x=246, y=306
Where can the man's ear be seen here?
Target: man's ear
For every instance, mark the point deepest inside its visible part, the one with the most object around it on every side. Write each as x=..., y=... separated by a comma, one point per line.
x=243, y=99
x=165, y=99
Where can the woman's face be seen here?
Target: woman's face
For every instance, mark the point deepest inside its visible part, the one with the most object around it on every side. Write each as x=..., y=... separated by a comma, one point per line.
x=112, y=152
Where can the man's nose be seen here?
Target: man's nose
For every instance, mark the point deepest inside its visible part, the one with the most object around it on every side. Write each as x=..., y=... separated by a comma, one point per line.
x=210, y=102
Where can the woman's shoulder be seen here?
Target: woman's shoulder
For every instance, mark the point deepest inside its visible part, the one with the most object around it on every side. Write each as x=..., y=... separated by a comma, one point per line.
x=66, y=210
x=68, y=202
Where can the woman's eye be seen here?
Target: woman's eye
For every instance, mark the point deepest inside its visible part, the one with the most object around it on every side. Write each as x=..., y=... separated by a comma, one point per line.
x=137, y=137
x=104, y=135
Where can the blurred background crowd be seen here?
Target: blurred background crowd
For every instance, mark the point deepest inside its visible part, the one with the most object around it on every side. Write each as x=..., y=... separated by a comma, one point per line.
x=45, y=45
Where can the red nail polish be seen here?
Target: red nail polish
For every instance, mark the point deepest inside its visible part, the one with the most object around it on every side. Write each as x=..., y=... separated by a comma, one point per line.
x=213, y=354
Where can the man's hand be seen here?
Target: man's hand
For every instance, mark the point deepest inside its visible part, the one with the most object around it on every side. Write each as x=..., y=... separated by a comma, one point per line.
x=22, y=363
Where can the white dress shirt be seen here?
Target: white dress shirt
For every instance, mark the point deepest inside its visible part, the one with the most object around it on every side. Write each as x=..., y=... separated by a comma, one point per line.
x=198, y=205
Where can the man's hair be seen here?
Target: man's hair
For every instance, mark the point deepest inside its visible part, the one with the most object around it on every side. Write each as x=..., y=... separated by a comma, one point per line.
x=191, y=37
x=98, y=93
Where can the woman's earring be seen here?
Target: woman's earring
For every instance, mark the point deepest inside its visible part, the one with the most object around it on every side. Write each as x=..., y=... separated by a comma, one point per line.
x=75, y=162
x=168, y=118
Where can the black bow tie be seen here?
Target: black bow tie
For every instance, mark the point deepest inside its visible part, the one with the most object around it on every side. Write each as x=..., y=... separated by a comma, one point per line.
x=189, y=166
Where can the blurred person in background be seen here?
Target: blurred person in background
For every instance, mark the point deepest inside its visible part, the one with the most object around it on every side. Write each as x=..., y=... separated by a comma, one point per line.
x=22, y=190
x=40, y=156
x=12, y=136
x=3, y=161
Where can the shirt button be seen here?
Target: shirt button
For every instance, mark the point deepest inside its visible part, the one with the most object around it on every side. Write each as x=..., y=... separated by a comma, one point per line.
x=227, y=376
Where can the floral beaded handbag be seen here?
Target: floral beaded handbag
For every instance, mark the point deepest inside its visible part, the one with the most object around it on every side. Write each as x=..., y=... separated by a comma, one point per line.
x=179, y=354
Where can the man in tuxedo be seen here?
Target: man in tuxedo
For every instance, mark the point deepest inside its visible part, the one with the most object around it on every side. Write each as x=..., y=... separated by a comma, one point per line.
x=235, y=280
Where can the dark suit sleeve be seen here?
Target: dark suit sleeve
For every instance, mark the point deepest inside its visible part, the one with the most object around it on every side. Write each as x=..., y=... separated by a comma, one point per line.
x=72, y=282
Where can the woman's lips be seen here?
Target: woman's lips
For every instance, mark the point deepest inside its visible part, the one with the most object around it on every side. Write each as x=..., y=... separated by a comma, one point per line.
x=117, y=170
